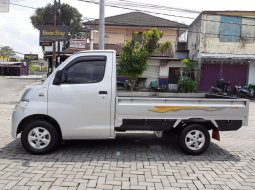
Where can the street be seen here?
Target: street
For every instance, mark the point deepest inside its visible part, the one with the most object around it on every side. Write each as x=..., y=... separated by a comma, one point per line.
x=131, y=161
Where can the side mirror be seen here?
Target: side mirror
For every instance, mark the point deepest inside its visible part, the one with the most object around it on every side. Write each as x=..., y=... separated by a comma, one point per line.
x=60, y=77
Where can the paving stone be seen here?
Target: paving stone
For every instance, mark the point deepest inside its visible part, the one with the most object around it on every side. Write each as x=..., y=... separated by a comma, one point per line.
x=142, y=162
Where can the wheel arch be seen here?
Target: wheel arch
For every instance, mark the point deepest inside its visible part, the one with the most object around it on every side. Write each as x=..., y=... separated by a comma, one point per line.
x=39, y=117
x=209, y=124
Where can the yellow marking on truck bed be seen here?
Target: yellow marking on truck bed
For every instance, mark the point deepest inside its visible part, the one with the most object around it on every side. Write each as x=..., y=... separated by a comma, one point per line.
x=163, y=109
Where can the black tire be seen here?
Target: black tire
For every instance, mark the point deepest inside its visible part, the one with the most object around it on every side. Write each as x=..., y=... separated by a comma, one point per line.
x=196, y=147
x=53, y=137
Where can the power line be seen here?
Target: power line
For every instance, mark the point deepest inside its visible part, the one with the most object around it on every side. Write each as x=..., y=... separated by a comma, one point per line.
x=154, y=6
x=25, y=6
x=123, y=7
x=216, y=34
x=157, y=13
x=18, y=5
x=189, y=31
x=122, y=23
x=89, y=1
x=132, y=9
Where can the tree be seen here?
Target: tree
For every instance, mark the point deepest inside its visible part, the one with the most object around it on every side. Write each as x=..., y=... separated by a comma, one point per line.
x=190, y=68
x=6, y=52
x=134, y=54
x=187, y=83
x=70, y=16
x=164, y=48
x=13, y=59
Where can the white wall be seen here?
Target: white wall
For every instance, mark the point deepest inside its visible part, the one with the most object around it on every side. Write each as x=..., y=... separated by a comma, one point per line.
x=164, y=70
x=159, y=70
x=194, y=37
x=251, y=79
x=152, y=72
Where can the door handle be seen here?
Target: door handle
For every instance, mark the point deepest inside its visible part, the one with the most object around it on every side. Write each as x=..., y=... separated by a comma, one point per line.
x=102, y=93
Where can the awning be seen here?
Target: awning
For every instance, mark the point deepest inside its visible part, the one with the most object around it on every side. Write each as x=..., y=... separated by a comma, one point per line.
x=225, y=56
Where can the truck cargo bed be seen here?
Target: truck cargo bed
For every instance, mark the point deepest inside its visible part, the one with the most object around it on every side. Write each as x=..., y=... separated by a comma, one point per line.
x=181, y=108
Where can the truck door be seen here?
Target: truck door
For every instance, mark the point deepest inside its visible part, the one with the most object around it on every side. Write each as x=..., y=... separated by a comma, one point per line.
x=82, y=104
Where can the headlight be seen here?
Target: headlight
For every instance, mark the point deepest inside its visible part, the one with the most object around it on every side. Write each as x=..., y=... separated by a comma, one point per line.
x=24, y=96
x=21, y=105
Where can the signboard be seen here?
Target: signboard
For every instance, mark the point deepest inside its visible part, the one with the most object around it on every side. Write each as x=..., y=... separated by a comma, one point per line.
x=45, y=43
x=4, y=6
x=77, y=43
x=50, y=48
x=31, y=57
x=48, y=33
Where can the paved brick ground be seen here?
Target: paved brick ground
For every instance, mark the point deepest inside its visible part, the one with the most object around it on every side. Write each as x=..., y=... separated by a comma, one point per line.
x=132, y=161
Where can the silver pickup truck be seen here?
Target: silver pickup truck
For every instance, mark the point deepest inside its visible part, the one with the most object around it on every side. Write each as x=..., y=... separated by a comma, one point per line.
x=79, y=101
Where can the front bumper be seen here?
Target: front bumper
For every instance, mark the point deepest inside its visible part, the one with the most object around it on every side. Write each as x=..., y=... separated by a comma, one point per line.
x=17, y=116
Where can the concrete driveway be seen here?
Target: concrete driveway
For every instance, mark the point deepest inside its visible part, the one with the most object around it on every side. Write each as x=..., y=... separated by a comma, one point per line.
x=132, y=161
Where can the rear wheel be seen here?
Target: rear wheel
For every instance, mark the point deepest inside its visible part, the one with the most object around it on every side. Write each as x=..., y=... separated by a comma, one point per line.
x=40, y=137
x=194, y=139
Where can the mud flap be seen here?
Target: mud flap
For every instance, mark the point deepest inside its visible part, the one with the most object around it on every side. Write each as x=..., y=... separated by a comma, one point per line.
x=216, y=134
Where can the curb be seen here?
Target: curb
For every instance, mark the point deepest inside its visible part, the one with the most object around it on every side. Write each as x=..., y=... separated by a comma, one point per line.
x=25, y=77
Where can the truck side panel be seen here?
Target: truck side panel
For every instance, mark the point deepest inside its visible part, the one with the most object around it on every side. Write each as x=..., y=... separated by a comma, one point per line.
x=181, y=109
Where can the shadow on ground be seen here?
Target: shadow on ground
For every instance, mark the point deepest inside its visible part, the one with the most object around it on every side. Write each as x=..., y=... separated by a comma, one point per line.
x=126, y=147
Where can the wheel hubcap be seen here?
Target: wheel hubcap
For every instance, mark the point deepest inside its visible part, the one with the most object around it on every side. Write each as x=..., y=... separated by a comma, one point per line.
x=195, y=140
x=39, y=138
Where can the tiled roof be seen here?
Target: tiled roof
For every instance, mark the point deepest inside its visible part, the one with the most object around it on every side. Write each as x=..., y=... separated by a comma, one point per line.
x=139, y=19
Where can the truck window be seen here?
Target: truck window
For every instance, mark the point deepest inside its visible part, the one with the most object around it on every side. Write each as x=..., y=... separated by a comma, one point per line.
x=86, y=72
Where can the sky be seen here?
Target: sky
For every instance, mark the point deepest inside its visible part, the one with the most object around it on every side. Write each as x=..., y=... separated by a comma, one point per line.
x=17, y=31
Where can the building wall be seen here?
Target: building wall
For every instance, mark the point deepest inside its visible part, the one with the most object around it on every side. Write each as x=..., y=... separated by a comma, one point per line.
x=231, y=33
x=152, y=71
x=241, y=36
x=164, y=69
x=157, y=70
x=215, y=46
x=13, y=69
x=118, y=35
x=194, y=38
x=112, y=36
x=251, y=79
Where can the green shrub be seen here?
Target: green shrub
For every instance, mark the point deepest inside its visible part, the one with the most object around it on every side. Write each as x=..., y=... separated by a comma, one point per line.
x=44, y=68
x=250, y=87
x=186, y=84
x=34, y=68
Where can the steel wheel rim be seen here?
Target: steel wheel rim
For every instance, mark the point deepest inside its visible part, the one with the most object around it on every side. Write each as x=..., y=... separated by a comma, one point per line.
x=39, y=138
x=195, y=140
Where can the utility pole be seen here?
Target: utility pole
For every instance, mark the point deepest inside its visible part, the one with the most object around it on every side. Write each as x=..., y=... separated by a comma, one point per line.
x=59, y=23
x=91, y=41
x=54, y=40
x=101, y=24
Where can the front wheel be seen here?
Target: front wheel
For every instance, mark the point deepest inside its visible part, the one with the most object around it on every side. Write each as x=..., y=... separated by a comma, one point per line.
x=194, y=139
x=39, y=137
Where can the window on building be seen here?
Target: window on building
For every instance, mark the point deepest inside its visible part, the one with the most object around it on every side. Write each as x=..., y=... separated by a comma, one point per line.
x=230, y=29
x=138, y=36
x=248, y=29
